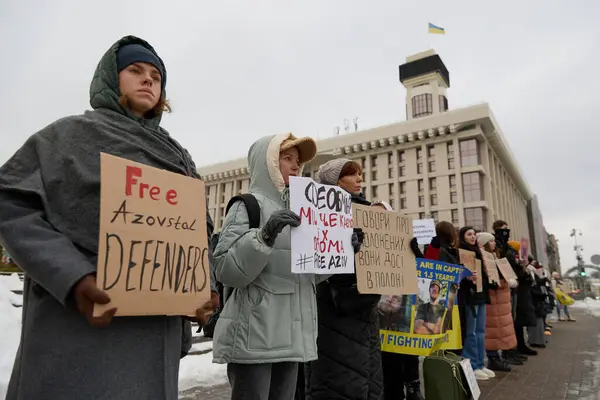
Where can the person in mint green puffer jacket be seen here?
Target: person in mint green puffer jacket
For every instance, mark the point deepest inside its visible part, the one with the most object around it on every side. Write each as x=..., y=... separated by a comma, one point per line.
x=269, y=323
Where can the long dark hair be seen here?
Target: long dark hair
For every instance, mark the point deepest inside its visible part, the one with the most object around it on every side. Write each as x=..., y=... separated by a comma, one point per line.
x=467, y=246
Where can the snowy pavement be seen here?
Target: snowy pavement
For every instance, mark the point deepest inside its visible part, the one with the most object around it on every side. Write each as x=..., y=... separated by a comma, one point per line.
x=196, y=370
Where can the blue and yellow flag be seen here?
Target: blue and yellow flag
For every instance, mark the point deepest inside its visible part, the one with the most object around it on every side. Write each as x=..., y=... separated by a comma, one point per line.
x=436, y=29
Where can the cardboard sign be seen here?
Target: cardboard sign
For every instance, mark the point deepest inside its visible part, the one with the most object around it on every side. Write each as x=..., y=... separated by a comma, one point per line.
x=424, y=230
x=470, y=377
x=506, y=269
x=467, y=259
x=153, y=247
x=385, y=263
x=479, y=281
x=322, y=244
x=489, y=261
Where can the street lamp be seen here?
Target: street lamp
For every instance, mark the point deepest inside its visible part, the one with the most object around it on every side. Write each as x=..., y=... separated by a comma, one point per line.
x=579, y=257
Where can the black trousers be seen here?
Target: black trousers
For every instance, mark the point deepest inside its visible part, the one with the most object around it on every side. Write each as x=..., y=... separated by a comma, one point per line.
x=398, y=369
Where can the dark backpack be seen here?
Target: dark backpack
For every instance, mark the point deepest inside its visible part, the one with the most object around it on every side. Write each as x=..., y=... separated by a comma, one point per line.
x=253, y=209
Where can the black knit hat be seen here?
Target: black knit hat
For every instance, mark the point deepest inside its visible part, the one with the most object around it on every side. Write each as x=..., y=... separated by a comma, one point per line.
x=133, y=53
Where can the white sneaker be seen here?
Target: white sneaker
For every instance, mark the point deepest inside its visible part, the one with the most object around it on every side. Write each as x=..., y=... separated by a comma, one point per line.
x=480, y=375
x=488, y=372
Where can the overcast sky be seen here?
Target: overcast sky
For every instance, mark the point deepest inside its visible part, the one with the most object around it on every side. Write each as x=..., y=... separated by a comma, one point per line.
x=239, y=70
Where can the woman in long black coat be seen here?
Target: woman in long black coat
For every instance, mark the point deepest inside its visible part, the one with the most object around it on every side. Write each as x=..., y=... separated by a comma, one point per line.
x=349, y=363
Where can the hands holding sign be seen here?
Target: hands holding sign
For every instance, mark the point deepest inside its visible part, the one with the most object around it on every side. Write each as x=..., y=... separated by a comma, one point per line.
x=278, y=220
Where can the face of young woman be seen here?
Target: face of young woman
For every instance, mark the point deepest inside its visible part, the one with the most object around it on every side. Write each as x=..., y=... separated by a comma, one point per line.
x=141, y=84
x=492, y=245
x=351, y=183
x=470, y=237
x=289, y=164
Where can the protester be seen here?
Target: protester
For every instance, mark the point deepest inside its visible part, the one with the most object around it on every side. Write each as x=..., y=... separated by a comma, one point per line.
x=49, y=222
x=443, y=245
x=499, y=327
x=268, y=324
x=400, y=371
x=349, y=362
x=473, y=305
x=558, y=283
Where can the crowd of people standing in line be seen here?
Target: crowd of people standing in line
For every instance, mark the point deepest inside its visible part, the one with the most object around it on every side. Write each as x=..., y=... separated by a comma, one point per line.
x=282, y=335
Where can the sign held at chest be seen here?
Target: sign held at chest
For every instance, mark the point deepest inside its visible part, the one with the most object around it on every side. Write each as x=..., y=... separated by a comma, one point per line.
x=153, y=245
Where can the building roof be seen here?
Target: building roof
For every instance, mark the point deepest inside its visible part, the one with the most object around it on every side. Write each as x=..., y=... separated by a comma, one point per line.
x=407, y=131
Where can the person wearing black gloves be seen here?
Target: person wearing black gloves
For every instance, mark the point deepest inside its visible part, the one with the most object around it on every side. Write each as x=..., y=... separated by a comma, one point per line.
x=521, y=299
x=349, y=356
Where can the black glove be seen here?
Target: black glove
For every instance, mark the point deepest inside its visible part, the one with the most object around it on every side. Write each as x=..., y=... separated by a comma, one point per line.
x=435, y=242
x=278, y=220
x=414, y=246
x=358, y=236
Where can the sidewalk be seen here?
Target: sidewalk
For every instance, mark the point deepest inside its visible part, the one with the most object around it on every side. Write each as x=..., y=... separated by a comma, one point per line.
x=569, y=368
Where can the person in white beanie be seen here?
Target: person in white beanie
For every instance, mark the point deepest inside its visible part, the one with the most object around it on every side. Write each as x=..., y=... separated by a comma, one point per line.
x=499, y=327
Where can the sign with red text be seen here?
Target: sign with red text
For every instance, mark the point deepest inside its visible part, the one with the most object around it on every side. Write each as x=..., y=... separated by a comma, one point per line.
x=322, y=244
x=385, y=263
x=153, y=245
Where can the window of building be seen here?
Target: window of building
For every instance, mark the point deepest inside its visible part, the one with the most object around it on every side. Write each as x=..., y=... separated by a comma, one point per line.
x=307, y=174
x=392, y=203
x=222, y=212
x=419, y=168
x=374, y=192
x=452, y=181
x=420, y=185
x=455, y=217
x=373, y=161
x=421, y=201
x=208, y=191
x=403, y=203
x=475, y=217
x=390, y=158
x=391, y=189
x=434, y=199
x=435, y=216
x=401, y=157
x=363, y=161
x=431, y=166
x=422, y=105
x=402, y=187
x=469, y=153
x=432, y=183
x=419, y=153
x=373, y=175
x=422, y=215
x=390, y=172
x=450, y=148
x=453, y=197
x=402, y=171
x=443, y=103
x=471, y=186
x=431, y=151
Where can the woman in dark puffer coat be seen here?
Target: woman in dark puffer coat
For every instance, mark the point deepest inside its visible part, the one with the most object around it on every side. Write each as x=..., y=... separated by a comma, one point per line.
x=349, y=351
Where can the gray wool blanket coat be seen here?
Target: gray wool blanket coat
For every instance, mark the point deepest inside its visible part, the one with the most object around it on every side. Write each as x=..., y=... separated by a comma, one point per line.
x=49, y=223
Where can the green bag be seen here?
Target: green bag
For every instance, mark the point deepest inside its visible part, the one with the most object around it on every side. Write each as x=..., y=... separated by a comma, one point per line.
x=444, y=377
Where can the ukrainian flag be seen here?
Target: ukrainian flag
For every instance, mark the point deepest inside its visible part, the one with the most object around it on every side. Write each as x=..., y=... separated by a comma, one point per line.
x=436, y=29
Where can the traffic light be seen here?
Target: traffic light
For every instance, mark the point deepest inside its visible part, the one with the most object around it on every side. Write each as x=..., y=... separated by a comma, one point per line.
x=582, y=271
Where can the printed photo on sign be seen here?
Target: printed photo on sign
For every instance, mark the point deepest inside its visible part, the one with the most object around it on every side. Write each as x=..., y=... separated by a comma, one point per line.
x=419, y=324
x=322, y=244
x=153, y=245
x=385, y=263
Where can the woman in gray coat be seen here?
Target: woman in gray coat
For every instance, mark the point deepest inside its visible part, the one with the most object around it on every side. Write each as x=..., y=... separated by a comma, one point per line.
x=269, y=322
x=49, y=222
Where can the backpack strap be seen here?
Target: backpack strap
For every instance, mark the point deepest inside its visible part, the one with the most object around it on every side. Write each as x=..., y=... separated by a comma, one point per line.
x=252, y=207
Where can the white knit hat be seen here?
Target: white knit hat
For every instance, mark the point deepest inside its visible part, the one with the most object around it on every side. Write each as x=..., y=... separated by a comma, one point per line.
x=484, y=238
x=329, y=173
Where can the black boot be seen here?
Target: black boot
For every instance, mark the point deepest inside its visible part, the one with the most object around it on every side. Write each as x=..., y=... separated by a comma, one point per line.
x=511, y=360
x=527, y=351
x=413, y=391
x=497, y=364
x=514, y=355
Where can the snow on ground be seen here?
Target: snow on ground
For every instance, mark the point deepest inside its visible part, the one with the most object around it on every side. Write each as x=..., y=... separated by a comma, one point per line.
x=10, y=326
x=194, y=371
x=592, y=306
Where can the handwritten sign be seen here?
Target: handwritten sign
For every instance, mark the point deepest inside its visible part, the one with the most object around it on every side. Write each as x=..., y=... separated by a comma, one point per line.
x=489, y=261
x=385, y=263
x=479, y=281
x=424, y=230
x=322, y=244
x=152, y=250
x=506, y=269
x=471, y=379
x=467, y=259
